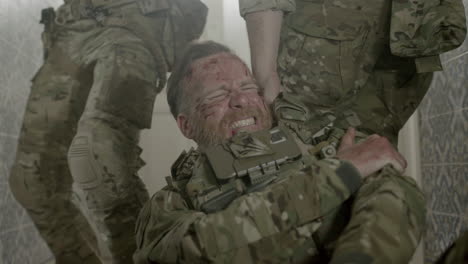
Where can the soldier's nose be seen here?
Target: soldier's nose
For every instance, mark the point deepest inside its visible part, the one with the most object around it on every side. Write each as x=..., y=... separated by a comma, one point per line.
x=238, y=100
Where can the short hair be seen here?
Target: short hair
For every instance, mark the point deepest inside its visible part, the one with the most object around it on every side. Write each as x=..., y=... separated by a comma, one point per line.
x=193, y=52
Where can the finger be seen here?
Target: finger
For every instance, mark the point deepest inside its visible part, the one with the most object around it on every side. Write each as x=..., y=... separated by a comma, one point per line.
x=348, y=139
x=398, y=162
x=397, y=165
x=401, y=160
x=373, y=136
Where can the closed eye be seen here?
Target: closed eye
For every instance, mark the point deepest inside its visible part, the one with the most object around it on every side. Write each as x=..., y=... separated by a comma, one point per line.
x=215, y=96
x=249, y=87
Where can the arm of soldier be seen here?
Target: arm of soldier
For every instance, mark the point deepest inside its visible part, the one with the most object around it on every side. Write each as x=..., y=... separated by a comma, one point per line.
x=387, y=221
x=436, y=28
x=388, y=214
x=169, y=232
x=263, y=19
x=251, y=6
x=263, y=29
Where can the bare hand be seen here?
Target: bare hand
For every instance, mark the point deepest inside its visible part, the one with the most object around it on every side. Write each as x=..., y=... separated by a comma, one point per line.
x=370, y=155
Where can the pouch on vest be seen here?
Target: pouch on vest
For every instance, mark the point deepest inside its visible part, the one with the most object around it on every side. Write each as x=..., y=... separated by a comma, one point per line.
x=426, y=27
x=247, y=163
x=254, y=155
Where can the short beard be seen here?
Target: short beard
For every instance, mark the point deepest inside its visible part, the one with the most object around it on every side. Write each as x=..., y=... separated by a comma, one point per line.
x=207, y=136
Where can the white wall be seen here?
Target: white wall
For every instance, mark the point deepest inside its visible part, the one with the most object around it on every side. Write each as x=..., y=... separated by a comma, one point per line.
x=408, y=145
x=163, y=143
x=235, y=33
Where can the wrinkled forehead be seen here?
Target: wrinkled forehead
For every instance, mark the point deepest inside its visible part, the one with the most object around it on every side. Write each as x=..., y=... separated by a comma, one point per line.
x=222, y=65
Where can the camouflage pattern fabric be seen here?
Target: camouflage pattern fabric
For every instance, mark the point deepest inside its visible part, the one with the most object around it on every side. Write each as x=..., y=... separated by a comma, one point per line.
x=249, y=6
x=380, y=230
x=457, y=252
x=375, y=55
x=428, y=28
x=77, y=159
x=170, y=231
x=298, y=218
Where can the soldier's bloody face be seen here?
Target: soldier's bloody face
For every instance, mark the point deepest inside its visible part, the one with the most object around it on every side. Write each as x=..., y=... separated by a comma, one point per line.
x=224, y=100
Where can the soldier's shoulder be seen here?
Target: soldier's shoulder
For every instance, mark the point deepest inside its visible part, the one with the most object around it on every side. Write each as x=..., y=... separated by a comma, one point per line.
x=183, y=167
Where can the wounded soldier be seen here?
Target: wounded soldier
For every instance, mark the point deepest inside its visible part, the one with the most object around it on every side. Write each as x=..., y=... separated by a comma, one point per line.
x=277, y=183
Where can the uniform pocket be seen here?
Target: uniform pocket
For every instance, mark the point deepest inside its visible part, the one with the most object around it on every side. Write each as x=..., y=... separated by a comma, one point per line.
x=323, y=19
x=330, y=48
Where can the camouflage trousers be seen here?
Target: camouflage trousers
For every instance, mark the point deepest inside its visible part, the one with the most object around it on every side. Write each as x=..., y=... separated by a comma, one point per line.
x=77, y=158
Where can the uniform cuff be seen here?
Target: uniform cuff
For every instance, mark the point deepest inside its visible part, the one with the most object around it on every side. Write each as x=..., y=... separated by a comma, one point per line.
x=250, y=6
x=350, y=176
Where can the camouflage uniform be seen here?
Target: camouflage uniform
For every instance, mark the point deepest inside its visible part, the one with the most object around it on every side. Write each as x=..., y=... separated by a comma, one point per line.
x=376, y=55
x=105, y=61
x=295, y=209
x=457, y=252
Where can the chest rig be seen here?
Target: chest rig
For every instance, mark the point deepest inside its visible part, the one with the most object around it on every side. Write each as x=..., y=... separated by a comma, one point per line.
x=246, y=163
x=250, y=162
x=318, y=130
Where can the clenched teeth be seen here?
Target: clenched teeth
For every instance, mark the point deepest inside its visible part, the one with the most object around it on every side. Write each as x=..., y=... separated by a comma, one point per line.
x=243, y=123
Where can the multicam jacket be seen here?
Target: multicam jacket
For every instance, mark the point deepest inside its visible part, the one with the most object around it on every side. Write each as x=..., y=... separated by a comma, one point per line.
x=418, y=28
x=376, y=56
x=292, y=209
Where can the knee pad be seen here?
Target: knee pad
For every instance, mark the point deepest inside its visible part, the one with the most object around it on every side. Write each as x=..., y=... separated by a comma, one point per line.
x=98, y=165
x=85, y=170
x=89, y=191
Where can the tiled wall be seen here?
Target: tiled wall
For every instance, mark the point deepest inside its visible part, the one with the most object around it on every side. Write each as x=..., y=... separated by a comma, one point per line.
x=444, y=152
x=20, y=57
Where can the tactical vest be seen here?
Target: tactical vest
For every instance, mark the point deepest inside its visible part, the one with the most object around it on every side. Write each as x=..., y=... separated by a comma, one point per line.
x=249, y=162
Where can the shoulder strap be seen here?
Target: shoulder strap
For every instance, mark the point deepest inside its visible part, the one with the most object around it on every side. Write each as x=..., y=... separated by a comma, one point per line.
x=183, y=166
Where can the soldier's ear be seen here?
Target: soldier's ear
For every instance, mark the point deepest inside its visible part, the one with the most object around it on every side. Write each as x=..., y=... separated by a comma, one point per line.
x=184, y=126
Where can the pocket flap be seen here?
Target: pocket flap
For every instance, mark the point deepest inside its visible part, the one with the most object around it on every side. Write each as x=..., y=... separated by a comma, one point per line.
x=325, y=21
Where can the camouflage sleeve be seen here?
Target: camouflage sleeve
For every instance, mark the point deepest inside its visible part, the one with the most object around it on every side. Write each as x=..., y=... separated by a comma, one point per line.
x=426, y=28
x=250, y=6
x=457, y=252
x=169, y=232
x=387, y=221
